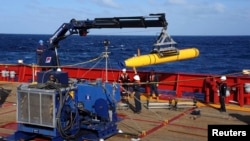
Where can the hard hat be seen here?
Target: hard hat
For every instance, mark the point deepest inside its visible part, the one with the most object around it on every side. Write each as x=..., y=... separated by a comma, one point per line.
x=136, y=77
x=223, y=78
x=124, y=70
x=40, y=41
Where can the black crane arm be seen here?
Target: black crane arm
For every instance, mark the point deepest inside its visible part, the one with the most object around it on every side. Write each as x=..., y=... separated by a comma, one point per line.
x=81, y=27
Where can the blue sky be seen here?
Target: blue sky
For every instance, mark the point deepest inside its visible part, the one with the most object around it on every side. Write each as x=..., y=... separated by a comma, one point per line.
x=185, y=17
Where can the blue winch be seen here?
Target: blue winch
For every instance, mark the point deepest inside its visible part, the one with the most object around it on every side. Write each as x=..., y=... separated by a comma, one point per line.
x=82, y=110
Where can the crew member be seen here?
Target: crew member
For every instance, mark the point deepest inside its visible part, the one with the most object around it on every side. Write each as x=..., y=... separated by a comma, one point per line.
x=137, y=94
x=153, y=84
x=222, y=85
x=52, y=79
x=124, y=80
x=39, y=51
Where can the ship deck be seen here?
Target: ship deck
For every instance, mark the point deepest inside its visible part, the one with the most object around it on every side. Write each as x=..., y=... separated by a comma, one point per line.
x=152, y=123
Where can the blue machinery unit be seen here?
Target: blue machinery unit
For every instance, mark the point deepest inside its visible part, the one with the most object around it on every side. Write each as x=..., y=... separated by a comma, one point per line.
x=80, y=111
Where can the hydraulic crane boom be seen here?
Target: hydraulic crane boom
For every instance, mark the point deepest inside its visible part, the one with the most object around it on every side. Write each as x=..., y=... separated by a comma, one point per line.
x=81, y=27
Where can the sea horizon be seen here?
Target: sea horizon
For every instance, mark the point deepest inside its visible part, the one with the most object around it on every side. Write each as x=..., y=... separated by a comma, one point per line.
x=218, y=54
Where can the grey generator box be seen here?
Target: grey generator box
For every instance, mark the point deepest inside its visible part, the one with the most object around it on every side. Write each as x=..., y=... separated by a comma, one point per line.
x=36, y=106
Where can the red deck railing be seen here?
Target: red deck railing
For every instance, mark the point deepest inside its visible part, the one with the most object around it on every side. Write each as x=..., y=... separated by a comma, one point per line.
x=200, y=86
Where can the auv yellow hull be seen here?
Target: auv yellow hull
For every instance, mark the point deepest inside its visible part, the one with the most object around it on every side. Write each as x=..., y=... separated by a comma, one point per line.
x=151, y=59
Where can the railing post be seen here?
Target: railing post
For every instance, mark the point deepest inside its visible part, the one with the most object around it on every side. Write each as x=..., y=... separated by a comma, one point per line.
x=241, y=93
x=33, y=73
x=215, y=91
x=207, y=90
x=177, y=85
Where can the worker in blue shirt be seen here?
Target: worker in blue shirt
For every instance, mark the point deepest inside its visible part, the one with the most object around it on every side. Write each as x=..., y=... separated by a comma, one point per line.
x=39, y=51
x=137, y=94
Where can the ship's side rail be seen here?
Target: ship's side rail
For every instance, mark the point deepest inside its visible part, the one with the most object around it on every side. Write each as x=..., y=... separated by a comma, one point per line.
x=203, y=87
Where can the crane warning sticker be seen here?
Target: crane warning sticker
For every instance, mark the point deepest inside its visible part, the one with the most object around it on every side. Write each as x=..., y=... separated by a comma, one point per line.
x=48, y=59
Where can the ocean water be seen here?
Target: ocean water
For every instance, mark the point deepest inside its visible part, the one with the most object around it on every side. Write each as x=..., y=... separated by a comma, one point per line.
x=218, y=54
